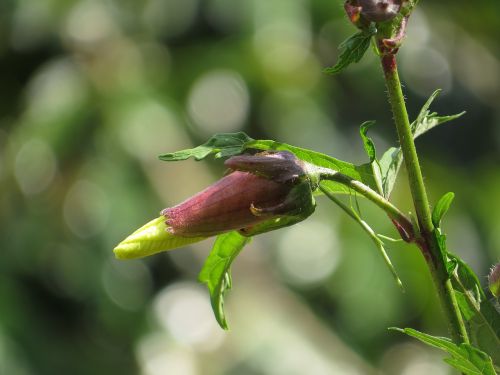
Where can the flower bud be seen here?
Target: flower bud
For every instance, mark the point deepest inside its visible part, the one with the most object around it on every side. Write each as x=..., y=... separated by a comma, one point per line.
x=379, y=10
x=494, y=280
x=353, y=12
x=258, y=188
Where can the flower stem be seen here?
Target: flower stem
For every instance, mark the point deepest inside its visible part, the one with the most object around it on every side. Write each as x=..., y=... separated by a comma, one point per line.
x=375, y=238
x=427, y=241
x=404, y=224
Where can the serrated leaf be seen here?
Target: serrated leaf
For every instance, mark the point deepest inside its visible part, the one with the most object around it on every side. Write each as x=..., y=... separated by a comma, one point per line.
x=352, y=50
x=464, y=357
x=216, y=270
x=367, y=141
x=391, y=160
x=390, y=163
x=441, y=240
x=484, y=323
x=372, y=153
x=221, y=145
x=467, y=311
x=427, y=120
x=229, y=144
x=441, y=208
x=150, y=239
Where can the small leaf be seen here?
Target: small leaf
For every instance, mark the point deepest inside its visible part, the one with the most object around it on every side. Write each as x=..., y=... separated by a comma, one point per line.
x=353, y=49
x=391, y=160
x=151, y=239
x=229, y=144
x=222, y=145
x=464, y=357
x=484, y=324
x=371, y=152
x=467, y=311
x=426, y=120
x=367, y=141
x=441, y=240
x=216, y=270
x=441, y=208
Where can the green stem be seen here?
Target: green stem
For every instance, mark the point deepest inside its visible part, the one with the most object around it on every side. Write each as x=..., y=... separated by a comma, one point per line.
x=403, y=224
x=427, y=241
x=375, y=238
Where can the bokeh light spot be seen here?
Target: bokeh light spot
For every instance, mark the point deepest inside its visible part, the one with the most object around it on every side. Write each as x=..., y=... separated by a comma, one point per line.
x=169, y=17
x=150, y=129
x=86, y=209
x=35, y=166
x=307, y=253
x=159, y=356
x=184, y=310
x=219, y=102
x=89, y=22
x=57, y=88
x=128, y=284
x=424, y=68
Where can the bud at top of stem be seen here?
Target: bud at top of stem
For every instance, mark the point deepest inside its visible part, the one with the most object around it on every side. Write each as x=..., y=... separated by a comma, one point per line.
x=377, y=10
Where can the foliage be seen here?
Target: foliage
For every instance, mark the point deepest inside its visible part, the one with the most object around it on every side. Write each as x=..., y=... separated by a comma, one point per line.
x=464, y=357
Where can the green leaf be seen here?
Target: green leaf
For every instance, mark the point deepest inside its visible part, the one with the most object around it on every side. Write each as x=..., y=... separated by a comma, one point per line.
x=367, y=141
x=222, y=145
x=372, y=153
x=151, y=239
x=441, y=208
x=464, y=357
x=441, y=240
x=390, y=163
x=229, y=144
x=371, y=233
x=484, y=322
x=353, y=49
x=427, y=120
x=216, y=270
x=391, y=160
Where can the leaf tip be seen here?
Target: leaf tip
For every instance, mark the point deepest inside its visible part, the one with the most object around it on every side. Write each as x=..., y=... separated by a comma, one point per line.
x=396, y=329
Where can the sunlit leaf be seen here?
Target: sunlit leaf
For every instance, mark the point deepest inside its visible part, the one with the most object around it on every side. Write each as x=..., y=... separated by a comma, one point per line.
x=427, y=120
x=352, y=50
x=482, y=317
x=464, y=357
x=229, y=144
x=216, y=270
x=372, y=153
x=391, y=160
x=221, y=145
x=441, y=208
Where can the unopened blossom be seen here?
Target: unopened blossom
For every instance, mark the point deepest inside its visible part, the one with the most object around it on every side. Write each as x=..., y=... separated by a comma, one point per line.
x=260, y=193
x=258, y=188
x=378, y=10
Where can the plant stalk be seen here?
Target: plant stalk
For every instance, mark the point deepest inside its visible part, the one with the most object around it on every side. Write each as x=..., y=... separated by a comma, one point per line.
x=403, y=224
x=428, y=240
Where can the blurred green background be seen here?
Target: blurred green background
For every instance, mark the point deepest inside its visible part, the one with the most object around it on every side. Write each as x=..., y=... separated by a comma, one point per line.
x=92, y=91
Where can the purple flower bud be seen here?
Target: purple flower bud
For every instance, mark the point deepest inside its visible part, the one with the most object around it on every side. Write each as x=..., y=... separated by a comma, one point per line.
x=257, y=189
x=379, y=10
